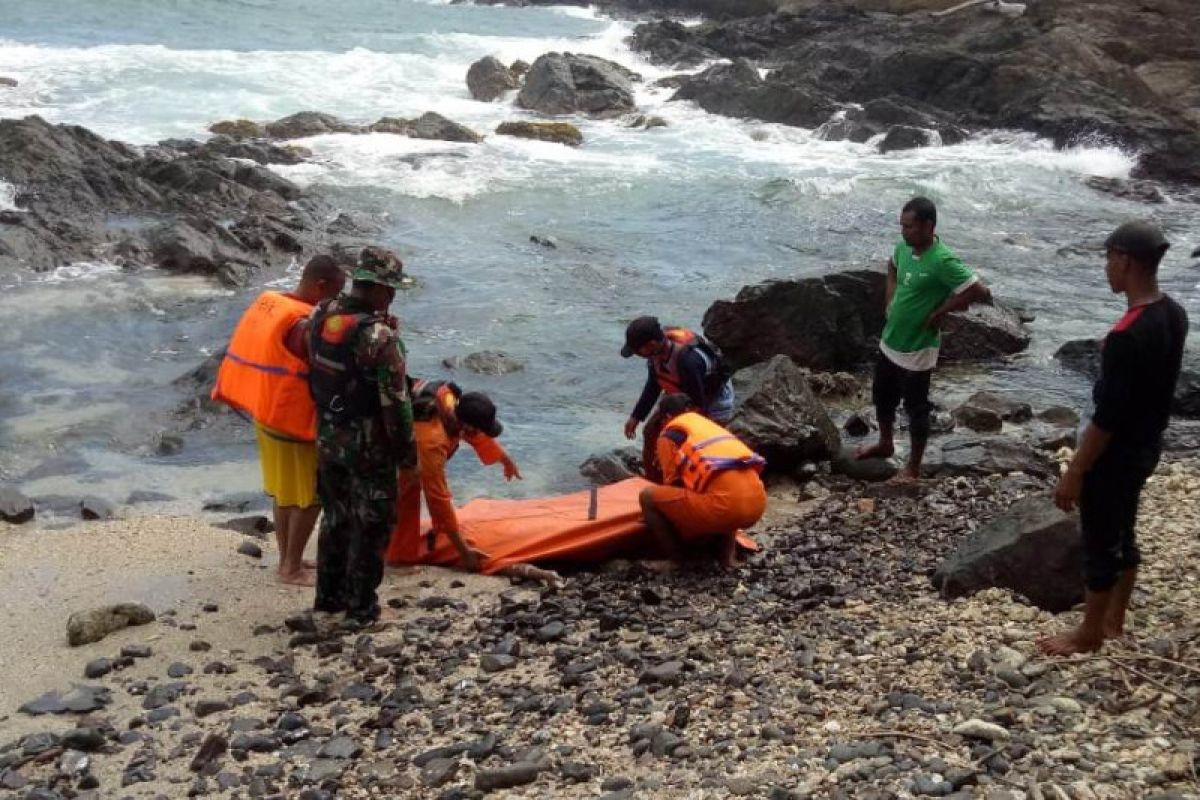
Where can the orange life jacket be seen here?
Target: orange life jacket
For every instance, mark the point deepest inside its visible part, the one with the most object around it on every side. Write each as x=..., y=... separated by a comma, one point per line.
x=666, y=366
x=260, y=377
x=708, y=450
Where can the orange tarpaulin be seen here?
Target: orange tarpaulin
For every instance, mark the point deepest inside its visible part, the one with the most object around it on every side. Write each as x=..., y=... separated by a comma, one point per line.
x=575, y=527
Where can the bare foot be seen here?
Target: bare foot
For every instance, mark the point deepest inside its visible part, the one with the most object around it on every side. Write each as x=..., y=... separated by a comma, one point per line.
x=904, y=476
x=729, y=552
x=301, y=577
x=660, y=566
x=1070, y=643
x=308, y=563
x=877, y=450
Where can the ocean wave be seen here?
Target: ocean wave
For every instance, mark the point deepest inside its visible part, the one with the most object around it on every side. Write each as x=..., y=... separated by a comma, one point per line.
x=8, y=197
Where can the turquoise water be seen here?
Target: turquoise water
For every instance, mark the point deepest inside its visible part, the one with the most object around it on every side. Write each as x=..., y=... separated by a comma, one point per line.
x=661, y=221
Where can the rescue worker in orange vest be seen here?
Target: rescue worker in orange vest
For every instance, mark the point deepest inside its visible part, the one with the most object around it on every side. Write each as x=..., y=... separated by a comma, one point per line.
x=443, y=417
x=677, y=361
x=265, y=376
x=711, y=485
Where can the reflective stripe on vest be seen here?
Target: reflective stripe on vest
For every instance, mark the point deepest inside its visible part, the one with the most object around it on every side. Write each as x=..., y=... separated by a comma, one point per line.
x=260, y=377
x=708, y=450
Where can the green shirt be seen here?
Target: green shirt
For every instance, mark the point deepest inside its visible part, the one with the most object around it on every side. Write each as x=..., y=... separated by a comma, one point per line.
x=923, y=283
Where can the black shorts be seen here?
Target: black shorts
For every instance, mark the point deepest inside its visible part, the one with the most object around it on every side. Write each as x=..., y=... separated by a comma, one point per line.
x=1108, y=509
x=893, y=384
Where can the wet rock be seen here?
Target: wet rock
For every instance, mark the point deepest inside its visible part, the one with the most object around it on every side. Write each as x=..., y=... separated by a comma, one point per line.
x=486, y=362
x=1136, y=190
x=15, y=508
x=983, y=332
x=1080, y=355
x=983, y=455
x=906, y=137
x=613, y=466
x=7, y=82
x=560, y=132
x=489, y=780
x=977, y=418
x=736, y=89
x=427, y=126
x=238, y=129
x=1059, y=415
x=779, y=417
x=1006, y=408
x=94, y=508
x=85, y=627
x=871, y=470
x=567, y=83
x=249, y=548
x=1033, y=549
x=488, y=79
x=307, y=123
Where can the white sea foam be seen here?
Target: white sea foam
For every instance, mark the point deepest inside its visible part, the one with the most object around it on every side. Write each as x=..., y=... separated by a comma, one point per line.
x=8, y=197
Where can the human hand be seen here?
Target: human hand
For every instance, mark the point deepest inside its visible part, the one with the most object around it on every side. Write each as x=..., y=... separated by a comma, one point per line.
x=1070, y=486
x=472, y=559
x=631, y=426
x=510, y=470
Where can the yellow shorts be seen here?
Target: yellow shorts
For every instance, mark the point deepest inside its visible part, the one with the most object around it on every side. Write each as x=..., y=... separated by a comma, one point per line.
x=289, y=469
x=733, y=500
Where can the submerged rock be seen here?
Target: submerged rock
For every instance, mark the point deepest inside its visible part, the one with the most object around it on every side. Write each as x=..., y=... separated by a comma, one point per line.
x=84, y=627
x=1032, y=549
x=427, y=126
x=485, y=362
x=308, y=123
x=238, y=129
x=780, y=418
x=613, y=466
x=567, y=83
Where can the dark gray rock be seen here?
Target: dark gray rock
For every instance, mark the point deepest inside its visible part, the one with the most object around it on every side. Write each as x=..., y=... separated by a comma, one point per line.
x=83, y=739
x=94, y=508
x=494, y=662
x=871, y=470
x=340, y=747
x=97, y=668
x=212, y=748
x=1059, y=415
x=249, y=548
x=613, y=466
x=778, y=416
x=669, y=673
x=566, y=83
x=906, y=137
x=489, y=780
x=1080, y=355
x=1138, y=191
x=827, y=324
x=978, y=418
x=983, y=332
x=179, y=670
x=427, y=126
x=1006, y=408
x=80, y=700
x=488, y=79
x=15, y=507
x=208, y=706
x=308, y=123
x=255, y=525
x=85, y=627
x=736, y=89
x=988, y=455
x=163, y=694
x=551, y=632
x=439, y=772
x=1032, y=549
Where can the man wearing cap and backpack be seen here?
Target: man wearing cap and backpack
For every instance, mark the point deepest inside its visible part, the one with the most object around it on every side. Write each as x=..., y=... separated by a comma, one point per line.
x=1120, y=446
x=359, y=383
x=444, y=417
x=677, y=361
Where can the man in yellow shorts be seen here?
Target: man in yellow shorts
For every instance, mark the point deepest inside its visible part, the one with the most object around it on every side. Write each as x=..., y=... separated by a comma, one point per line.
x=711, y=485
x=265, y=376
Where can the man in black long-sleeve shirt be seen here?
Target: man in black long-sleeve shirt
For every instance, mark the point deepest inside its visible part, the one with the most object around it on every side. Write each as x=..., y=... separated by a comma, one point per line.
x=677, y=361
x=1122, y=442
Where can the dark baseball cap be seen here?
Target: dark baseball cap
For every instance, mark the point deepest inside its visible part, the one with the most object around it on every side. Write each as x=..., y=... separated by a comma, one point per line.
x=477, y=410
x=639, y=332
x=1138, y=238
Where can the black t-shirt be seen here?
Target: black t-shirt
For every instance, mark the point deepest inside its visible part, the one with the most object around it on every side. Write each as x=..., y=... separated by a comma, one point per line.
x=1140, y=364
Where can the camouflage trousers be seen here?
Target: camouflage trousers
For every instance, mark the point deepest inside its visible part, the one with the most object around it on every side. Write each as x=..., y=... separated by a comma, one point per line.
x=358, y=514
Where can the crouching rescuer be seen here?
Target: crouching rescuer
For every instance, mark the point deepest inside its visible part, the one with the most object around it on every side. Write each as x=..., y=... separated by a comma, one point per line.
x=710, y=488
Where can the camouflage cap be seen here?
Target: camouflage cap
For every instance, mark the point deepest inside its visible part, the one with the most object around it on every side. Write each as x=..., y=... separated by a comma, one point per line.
x=379, y=265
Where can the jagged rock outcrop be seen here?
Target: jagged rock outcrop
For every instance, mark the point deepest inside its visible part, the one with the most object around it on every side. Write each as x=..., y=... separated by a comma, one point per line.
x=568, y=83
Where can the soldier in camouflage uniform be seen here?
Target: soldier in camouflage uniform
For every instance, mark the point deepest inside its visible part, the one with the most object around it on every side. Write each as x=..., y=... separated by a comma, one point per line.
x=364, y=434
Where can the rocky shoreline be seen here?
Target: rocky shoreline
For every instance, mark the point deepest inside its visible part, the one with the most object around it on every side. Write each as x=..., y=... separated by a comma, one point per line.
x=828, y=667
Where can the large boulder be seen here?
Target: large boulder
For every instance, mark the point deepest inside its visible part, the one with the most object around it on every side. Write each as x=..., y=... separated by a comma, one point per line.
x=737, y=90
x=559, y=132
x=983, y=332
x=613, y=466
x=1080, y=355
x=858, y=123
x=1033, y=549
x=238, y=129
x=779, y=417
x=1084, y=356
x=906, y=137
x=85, y=627
x=566, y=83
x=827, y=324
x=488, y=79
x=199, y=246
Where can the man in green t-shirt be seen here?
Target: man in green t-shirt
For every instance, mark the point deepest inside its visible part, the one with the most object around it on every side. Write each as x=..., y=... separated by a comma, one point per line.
x=925, y=283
